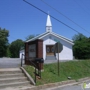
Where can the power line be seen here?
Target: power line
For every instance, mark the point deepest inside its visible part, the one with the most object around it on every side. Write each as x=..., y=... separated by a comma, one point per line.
x=64, y=16
x=85, y=6
x=81, y=7
x=51, y=16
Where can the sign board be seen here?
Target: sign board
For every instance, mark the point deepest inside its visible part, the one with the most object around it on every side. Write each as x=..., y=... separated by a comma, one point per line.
x=58, y=47
x=32, y=50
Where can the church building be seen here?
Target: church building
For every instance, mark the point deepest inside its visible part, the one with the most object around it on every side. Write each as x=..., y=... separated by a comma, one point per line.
x=42, y=46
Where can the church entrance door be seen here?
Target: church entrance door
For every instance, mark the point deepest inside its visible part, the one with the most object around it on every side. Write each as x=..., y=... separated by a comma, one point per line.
x=49, y=49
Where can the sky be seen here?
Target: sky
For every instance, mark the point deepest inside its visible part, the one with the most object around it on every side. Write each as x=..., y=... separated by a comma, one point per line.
x=23, y=20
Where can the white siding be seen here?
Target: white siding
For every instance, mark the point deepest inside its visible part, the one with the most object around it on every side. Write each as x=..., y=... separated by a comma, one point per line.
x=66, y=53
x=20, y=54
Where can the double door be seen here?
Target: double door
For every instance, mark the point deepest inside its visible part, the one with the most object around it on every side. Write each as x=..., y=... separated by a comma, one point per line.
x=49, y=49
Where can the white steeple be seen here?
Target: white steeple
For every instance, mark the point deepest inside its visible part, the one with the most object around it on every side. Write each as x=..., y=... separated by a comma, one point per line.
x=48, y=24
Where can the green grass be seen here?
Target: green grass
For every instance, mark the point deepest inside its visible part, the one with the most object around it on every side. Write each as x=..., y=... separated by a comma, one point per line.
x=73, y=69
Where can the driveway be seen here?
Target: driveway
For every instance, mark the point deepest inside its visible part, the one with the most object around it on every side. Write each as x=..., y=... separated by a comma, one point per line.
x=10, y=62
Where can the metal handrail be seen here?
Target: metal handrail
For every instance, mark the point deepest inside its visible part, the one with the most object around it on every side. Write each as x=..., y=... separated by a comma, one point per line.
x=31, y=63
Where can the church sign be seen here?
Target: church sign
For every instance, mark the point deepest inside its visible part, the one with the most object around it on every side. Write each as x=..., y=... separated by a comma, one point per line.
x=32, y=50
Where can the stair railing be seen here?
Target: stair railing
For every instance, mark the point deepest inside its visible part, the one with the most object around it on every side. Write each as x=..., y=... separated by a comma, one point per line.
x=30, y=62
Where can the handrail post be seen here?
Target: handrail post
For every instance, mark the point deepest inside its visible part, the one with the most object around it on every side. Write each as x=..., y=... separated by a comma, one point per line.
x=21, y=60
x=35, y=74
x=40, y=70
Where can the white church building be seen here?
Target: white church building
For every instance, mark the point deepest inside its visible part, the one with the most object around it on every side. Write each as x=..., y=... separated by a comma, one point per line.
x=49, y=38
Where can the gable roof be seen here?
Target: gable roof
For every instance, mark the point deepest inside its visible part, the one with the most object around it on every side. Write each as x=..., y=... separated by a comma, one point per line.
x=51, y=33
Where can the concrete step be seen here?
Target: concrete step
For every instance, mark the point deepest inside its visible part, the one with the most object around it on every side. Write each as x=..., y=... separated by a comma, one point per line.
x=15, y=79
x=10, y=71
x=11, y=75
x=5, y=85
x=50, y=57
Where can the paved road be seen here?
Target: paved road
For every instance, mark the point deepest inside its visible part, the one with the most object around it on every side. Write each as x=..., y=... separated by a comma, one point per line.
x=74, y=87
x=70, y=87
x=10, y=62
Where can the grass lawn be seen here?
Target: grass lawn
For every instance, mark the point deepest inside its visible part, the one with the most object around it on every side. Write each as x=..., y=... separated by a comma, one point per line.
x=73, y=69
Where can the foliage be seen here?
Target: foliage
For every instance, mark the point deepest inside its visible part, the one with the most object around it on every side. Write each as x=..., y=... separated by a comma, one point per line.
x=80, y=69
x=8, y=51
x=31, y=36
x=15, y=47
x=81, y=48
x=78, y=37
x=3, y=42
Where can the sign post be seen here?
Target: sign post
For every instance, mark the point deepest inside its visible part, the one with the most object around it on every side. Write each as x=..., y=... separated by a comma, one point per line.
x=57, y=49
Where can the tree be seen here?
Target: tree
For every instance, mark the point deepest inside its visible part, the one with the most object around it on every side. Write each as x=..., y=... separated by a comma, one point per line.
x=30, y=37
x=3, y=42
x=81, y=48
x=15, y=48
x=78, y=37
x=8, y=51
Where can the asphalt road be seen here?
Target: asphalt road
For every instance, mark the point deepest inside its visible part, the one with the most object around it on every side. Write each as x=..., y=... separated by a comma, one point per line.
x=71, y=87
x=10, y=62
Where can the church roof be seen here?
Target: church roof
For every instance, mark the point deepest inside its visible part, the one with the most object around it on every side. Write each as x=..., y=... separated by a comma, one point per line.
x=48, y=24
x=41, y=36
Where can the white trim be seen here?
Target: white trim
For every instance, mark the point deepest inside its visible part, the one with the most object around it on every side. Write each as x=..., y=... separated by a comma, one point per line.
x=44, y=35
x=65, y=39
x=37, y=37
x=58, y=36
x=52, y=33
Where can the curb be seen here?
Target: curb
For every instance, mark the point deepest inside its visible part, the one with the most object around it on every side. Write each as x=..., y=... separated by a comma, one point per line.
x=59, y=84
x=51, y=85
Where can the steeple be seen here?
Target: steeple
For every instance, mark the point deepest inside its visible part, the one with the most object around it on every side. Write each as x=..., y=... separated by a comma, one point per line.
x=48, y=24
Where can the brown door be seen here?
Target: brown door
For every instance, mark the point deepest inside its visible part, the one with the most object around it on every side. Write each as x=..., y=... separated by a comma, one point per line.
x=49, y=50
